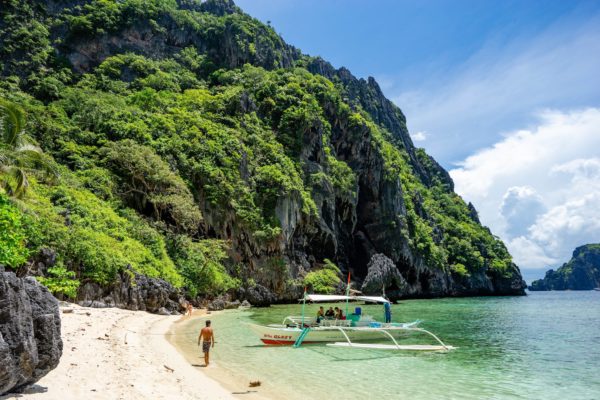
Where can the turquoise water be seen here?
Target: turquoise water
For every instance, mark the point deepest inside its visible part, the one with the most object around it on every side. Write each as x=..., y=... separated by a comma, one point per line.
x=542, y=346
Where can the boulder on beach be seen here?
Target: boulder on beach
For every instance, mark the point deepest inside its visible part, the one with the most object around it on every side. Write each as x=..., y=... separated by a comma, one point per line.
x=30, y=342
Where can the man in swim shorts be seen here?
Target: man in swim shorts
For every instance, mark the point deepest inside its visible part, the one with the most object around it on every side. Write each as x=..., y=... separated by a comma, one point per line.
x=208, y=338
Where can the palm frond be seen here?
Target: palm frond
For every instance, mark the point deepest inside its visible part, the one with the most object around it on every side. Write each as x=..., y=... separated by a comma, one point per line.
x=12, y=121
x=18, y=157
x=21, y=182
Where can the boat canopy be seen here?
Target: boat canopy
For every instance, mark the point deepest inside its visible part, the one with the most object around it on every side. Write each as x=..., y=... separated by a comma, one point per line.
x=330, y=298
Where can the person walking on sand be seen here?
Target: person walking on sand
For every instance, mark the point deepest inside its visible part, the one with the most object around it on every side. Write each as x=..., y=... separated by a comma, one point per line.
x=189, y=309
x=207, y=337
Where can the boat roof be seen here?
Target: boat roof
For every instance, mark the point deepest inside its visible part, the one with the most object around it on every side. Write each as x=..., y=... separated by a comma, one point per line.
x=330, y=298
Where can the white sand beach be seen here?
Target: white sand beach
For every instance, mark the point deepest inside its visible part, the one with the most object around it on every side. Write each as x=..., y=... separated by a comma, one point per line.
x=119, y=354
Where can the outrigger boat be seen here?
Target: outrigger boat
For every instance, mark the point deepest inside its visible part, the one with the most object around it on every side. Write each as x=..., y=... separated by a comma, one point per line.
x=298, y=330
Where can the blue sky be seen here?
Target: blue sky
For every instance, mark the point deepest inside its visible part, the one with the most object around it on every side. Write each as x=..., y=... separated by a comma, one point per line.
x=504, y=94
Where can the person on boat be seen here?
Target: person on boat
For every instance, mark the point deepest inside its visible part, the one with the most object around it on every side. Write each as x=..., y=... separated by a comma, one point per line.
x=320, y=314
x=387, y=308
x=330, y=314
x=207, y=337
x=340, y=314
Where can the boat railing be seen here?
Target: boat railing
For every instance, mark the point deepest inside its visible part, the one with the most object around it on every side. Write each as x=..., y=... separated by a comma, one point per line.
x=336, y=322
x=298, y=320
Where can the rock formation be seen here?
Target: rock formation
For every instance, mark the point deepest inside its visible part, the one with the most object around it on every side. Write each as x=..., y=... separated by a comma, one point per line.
x=30, y=342
x=133, y=291
x=364, y=196
x=382, y=273
x=582, y=272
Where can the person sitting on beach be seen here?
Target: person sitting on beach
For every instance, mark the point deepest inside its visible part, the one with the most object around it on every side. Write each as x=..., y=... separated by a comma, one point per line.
x=320, y=314
x=207, y=337
x=330, y=314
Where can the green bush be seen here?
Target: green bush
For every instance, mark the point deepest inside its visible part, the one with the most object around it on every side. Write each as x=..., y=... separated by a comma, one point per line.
x=324, y=280
x=460, y=270
x=13, y=250
x=61, y=282
x=201, y=265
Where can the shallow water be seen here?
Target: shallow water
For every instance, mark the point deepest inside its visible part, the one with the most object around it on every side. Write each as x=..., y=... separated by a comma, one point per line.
x=542, y=346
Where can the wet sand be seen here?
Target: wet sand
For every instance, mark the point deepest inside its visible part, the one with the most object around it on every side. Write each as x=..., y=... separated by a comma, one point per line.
x=183, y=335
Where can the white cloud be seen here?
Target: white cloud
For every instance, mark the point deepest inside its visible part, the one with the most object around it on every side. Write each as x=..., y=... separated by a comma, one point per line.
x=539, y=189
x=419, y=136
x=580, y=169
x=520, y=207
x=568, y=225
x=529, y=253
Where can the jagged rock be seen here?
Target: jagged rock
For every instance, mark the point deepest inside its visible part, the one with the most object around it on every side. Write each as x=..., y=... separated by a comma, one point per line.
x=473, y=213
x=231, y=305
x=257, y=295
x=30, y=342
x=245, y=304
x=163, y=311
x=46, y=258
x=216, y=305
x=133, y=292
x=382, y=272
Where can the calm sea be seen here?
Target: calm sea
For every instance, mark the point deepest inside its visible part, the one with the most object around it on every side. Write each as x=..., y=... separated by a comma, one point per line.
x=542, y=346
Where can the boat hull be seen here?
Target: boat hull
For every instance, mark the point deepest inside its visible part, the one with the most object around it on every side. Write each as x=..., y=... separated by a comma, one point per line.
x=284, y=336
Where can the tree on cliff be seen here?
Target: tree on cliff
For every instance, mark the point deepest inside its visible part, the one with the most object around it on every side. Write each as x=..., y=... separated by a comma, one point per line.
x=18, y=157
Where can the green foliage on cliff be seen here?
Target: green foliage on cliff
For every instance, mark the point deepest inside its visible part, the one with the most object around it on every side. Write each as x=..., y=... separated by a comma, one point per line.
x=60, y=282
x=187, y=161
x=324, y=280
x=13, y=251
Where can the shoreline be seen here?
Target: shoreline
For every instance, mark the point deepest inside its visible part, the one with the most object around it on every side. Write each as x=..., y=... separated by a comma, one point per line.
x=111, y=353
x=235, y=385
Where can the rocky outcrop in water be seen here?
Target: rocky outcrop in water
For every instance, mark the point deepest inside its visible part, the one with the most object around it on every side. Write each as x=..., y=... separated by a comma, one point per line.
x=382, y=273
x=582, y=272
x=30, y=342
x=133, y=291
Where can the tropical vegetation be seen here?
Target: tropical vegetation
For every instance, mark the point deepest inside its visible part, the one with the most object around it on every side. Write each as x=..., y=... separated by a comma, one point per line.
x=163, y=163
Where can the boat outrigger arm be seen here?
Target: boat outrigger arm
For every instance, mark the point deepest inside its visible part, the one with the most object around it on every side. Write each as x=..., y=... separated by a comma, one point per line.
x=395, y=346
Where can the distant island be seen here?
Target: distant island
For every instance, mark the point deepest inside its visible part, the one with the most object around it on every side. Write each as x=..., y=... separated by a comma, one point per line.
x=582, y=272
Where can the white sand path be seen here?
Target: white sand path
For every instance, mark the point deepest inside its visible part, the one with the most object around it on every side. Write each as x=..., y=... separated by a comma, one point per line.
x=119, y=354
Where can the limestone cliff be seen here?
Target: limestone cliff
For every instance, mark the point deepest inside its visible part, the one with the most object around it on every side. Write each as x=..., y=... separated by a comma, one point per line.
x=359, y=193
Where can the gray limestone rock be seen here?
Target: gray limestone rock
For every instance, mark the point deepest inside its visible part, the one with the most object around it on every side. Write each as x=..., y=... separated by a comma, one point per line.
x=382, y=273
x=245, y=304
x=133, y=292
x=30, y=342
x=217, y=305
x=257, y=295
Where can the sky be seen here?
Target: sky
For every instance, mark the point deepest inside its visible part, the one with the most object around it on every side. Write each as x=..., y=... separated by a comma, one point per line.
x=504, y=94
